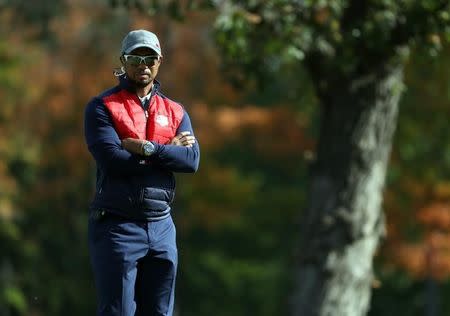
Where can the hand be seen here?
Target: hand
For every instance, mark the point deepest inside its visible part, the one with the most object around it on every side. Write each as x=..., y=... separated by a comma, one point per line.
x=133, y=145
x=183, y=139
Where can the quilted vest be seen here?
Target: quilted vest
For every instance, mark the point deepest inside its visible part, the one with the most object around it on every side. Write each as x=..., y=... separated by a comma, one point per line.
x=159, y=123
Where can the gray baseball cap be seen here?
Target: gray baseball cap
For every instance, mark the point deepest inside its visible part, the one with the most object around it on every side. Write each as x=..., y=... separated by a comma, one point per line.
x=140, y=38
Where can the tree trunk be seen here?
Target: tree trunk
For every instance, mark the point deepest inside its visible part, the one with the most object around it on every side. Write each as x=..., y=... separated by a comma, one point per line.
x=344, y=221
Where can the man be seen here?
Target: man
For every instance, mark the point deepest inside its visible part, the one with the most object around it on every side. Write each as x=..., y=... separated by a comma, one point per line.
x=138, y=138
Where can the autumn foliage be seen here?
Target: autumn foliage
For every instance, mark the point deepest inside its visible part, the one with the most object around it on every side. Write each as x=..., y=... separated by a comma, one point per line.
x=429, y=256
x=237, y=218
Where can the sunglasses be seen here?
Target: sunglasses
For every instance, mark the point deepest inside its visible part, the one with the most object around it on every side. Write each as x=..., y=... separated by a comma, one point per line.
x=135, y=60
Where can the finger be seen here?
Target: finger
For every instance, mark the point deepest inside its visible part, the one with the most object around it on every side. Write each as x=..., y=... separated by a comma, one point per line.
x=184, y=138
x=189, y=141
x=184, y=133
x=176, y=138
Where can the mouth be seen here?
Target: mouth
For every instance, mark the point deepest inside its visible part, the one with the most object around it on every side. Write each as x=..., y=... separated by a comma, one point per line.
x=143, y=76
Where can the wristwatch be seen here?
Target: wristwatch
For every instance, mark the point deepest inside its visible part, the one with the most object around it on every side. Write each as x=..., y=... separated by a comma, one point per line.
x=148, y=148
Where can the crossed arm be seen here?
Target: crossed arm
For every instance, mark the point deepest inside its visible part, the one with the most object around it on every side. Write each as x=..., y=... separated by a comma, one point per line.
x=124, y=157
x=135, y=145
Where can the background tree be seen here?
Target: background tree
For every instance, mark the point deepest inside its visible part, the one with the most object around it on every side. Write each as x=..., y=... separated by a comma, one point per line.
x=236, y=218
x=355, y=53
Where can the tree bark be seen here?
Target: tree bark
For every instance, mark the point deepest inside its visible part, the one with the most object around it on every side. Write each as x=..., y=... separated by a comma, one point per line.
x=343, y=222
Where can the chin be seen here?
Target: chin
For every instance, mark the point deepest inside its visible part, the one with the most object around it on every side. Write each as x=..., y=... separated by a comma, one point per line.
x=141, y=83
x=144, y=83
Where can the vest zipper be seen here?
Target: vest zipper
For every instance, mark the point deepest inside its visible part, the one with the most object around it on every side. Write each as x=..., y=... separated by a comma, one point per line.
x=146, y=123
x=141, y=196
x=146, y=112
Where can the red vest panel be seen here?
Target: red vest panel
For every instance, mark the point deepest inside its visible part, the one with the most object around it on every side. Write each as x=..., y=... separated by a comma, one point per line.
x=160, y=124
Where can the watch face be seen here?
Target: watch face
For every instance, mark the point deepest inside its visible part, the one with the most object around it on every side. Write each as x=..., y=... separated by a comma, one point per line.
x=148, y=149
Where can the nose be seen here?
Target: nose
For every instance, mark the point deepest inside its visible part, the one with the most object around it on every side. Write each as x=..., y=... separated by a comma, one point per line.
x=142, y=65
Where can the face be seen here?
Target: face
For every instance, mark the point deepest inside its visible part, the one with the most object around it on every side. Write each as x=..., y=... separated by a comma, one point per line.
x=141, y=74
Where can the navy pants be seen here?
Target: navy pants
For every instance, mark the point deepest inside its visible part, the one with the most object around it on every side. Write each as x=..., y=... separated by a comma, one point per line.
x=134, y=265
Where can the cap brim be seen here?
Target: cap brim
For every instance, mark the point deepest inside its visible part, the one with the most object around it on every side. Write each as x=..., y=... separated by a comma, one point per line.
x=153, y=47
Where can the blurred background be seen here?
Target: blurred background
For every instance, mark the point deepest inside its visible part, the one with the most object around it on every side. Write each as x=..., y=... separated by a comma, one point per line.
x=237, y=218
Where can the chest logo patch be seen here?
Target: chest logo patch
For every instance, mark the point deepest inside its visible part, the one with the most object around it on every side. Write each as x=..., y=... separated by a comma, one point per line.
x=162, y=120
